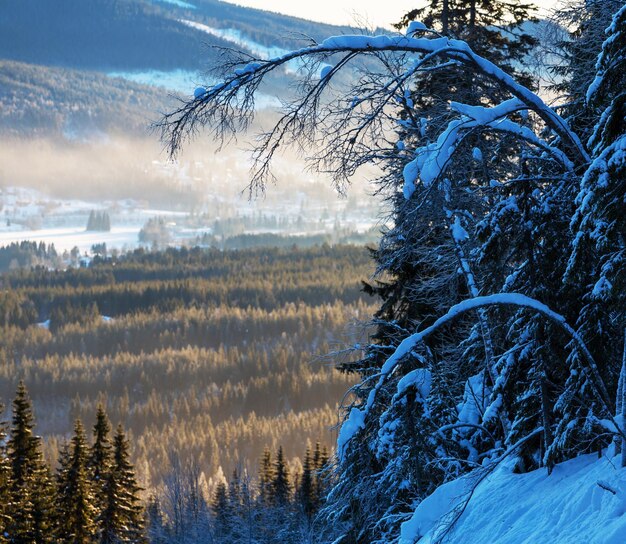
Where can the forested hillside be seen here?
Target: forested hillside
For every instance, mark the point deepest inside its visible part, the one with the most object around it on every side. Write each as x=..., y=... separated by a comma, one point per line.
x=40, y=100
x=137, y=34
x=499, y=346
x=203, y=355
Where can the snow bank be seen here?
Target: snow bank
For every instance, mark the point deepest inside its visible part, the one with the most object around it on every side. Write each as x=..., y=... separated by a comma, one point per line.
x=567, y=506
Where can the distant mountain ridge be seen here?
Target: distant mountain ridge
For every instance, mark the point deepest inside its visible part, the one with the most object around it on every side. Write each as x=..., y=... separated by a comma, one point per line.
x=42, y=100
x=137, y=34
x=55, y=57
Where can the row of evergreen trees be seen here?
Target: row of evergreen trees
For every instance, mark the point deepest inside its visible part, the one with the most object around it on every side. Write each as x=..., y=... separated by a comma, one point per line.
x=278, y=506
x=92, y=497
x=99, y=221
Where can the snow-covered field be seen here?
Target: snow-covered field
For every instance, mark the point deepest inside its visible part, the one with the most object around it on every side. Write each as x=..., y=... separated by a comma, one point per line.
x=66, y=238
x=582, y=501
x=180, y=81
x=238, y=39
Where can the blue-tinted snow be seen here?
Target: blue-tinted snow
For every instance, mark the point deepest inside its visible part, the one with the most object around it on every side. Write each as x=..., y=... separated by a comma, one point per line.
x=566, y=506
x=178, y=3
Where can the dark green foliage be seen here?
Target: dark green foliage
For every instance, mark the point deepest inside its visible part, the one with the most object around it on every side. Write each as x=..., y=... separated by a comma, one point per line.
x=306, y=491
x=213, y=343
x=126, y=34
x=156, y=527
x=100, y=459
x=122, y=520
x=36, y=508
x=36, y=100
x=99, y=221
x=424, y=269
x=266, y=477
x=33, y=517
x=223, y=512
x=136, y=34
x=281, y=487
x=76, y=502
x=26, y=255
x=65, y=314
x=585, y=23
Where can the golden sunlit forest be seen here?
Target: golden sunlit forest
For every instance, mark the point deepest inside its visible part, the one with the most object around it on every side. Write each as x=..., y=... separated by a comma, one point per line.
x=202, y=355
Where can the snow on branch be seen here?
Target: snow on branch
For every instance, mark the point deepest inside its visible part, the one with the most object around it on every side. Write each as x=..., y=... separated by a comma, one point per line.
x=228, y=107
x=356, y=419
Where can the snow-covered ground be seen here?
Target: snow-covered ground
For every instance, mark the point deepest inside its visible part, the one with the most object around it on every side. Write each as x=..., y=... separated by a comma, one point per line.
x=180, y=81
x=64, y=239
x=28, y=214
x=183, y=82
x=238, y=39
x=178, y=3
x=582, y=501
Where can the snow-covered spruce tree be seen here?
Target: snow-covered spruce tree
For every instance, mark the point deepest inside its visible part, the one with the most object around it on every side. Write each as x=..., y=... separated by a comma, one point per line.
x=596, y=270
x=425, y=410
x=582, y=24
x=430, y=263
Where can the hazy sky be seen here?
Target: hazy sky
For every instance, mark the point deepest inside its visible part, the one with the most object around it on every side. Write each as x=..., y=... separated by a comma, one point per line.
x=374, y=12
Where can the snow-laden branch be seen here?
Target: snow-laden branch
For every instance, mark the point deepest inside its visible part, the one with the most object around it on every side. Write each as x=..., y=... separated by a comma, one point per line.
x=431, y=160
x=357, y=416
x=229, y=105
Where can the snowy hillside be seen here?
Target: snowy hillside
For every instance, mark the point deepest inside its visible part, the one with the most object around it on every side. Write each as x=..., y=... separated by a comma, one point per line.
x=583, y=500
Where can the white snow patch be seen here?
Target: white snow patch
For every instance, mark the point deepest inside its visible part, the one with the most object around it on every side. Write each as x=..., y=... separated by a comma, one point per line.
x=458, y=232
x=239, y=39
x=325, y=71
x=179, y=3
x=355, y=422
x=563, y=507
x=420, y=379
x=415, y=26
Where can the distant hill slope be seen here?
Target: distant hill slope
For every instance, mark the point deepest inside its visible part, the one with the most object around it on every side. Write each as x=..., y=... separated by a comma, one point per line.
x=96, y=34
x=54, y=54
x=136, y=34
x=43, y=100
x=265, y=27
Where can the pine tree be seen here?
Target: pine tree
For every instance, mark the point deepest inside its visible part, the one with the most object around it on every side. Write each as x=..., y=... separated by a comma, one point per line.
x=482, y=192
x=75, y=498
x=266, y=477
x=101, y=457
x=122, y=518
x=585, y=22
x=595, y=272
x=91, y=222
x=430, y=260
x=223, y=513
x=5, y=485
x=156, y=527
x=33, y=517
x=281, y=488
x=307, y=491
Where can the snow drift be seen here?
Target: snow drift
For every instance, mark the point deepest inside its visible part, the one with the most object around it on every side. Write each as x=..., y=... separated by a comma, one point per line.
x=583, y=500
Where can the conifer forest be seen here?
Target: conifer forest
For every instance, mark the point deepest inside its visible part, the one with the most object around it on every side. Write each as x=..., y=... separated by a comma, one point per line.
x=460, y=380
